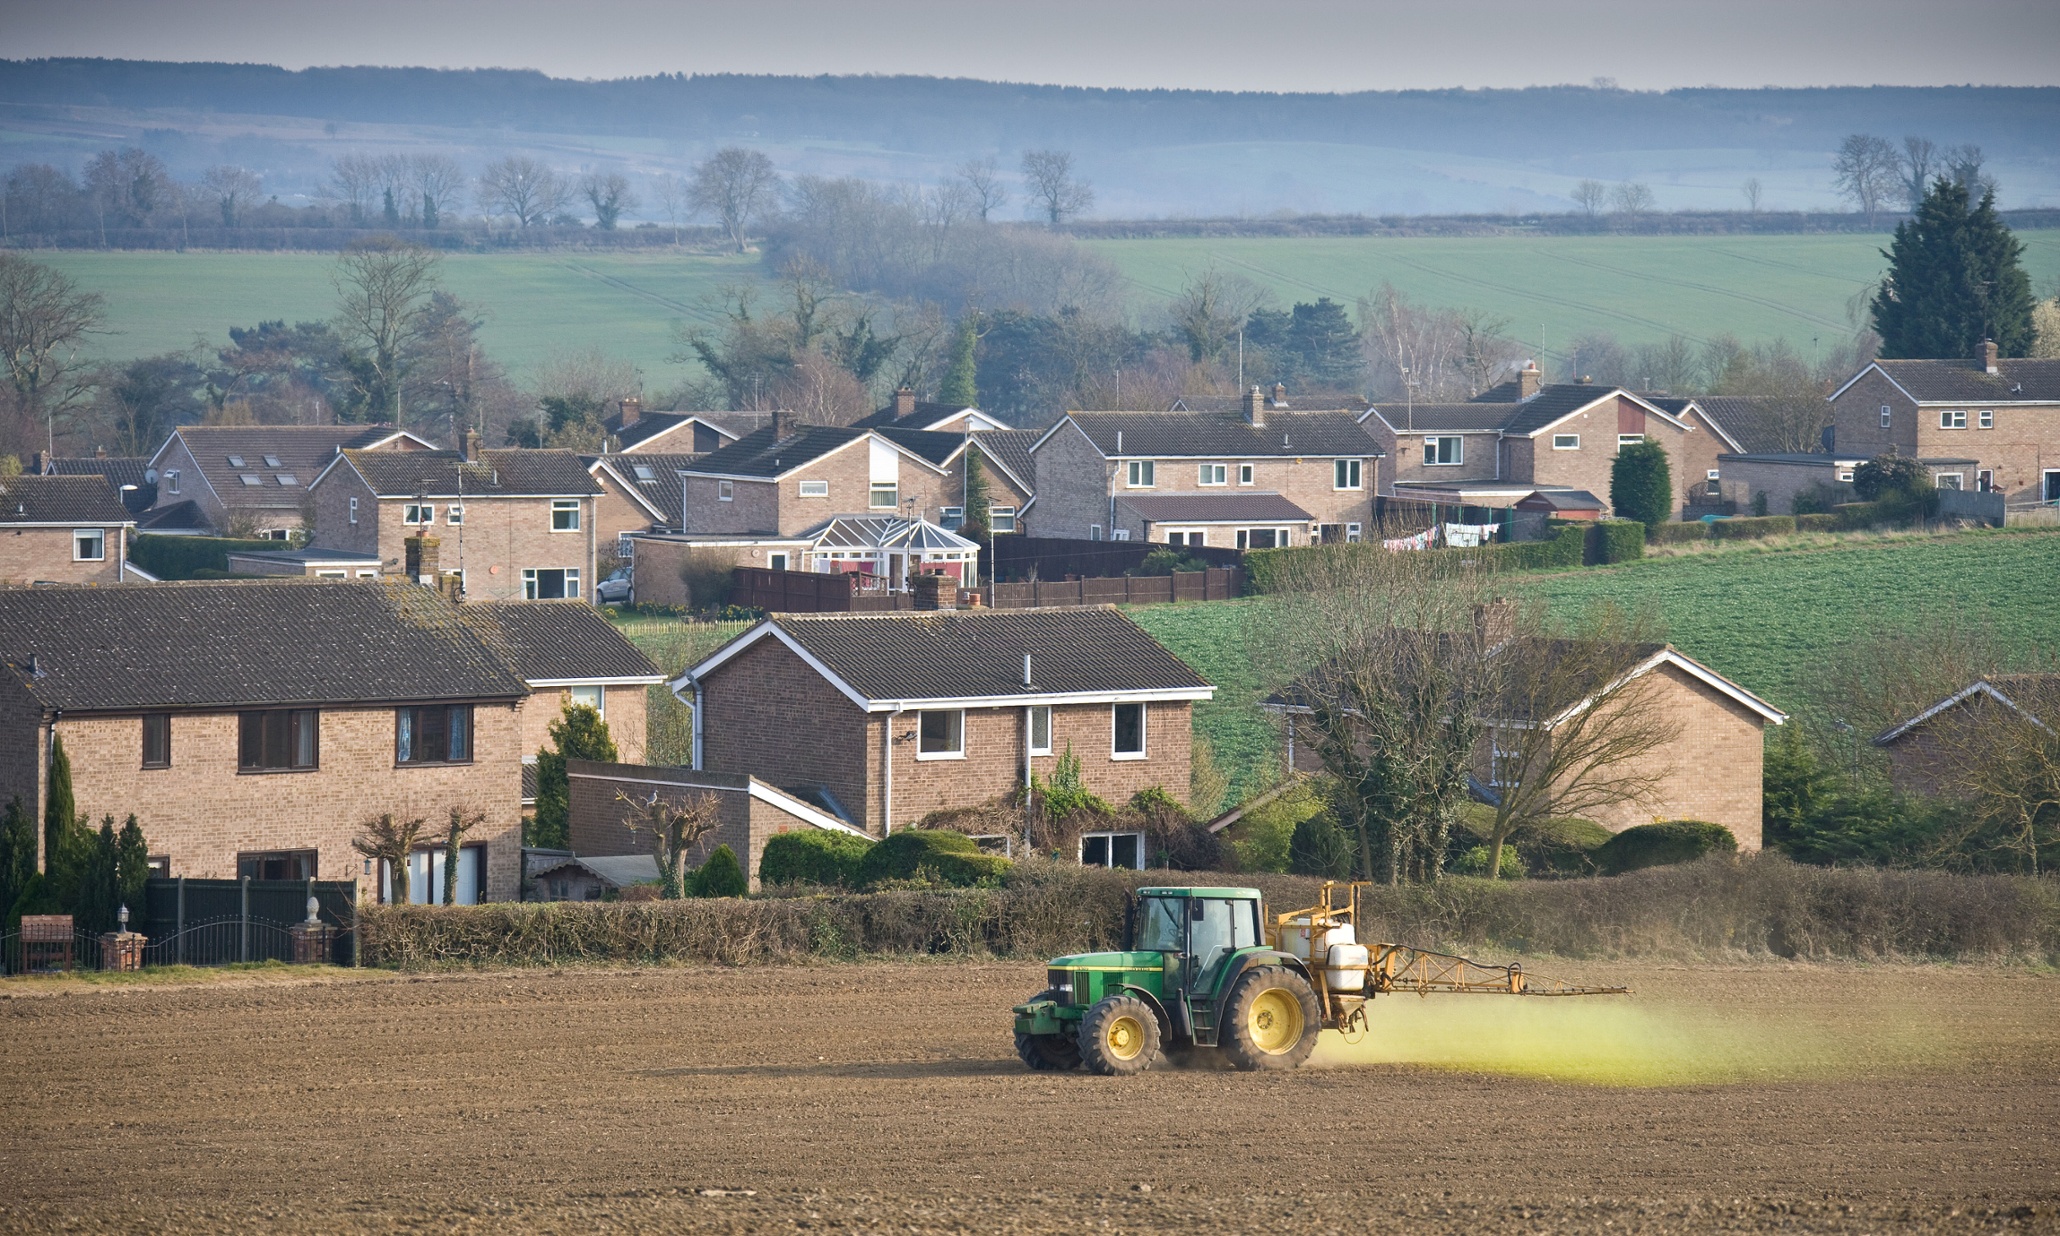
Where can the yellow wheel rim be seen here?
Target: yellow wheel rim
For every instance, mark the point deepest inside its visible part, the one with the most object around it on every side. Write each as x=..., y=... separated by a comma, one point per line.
x=1124, y=1038
x=1275, y=1021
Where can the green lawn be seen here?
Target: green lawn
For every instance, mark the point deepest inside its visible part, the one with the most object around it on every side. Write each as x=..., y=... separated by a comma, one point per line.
x=535, y=303
x=1639, y=288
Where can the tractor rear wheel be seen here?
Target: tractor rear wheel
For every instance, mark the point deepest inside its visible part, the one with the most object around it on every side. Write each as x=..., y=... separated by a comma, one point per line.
x=1119, y=1036
x=1048, y=1053
x=1270, y=1020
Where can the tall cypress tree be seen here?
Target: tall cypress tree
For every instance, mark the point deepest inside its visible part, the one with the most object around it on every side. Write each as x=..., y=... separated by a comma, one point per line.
x=1954, y=278
x=59, y=809
x=17, y=851
x=131, y=867
x=960, y=388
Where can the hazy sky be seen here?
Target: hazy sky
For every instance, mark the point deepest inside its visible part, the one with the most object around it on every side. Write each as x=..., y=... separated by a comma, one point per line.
x=1235, y=44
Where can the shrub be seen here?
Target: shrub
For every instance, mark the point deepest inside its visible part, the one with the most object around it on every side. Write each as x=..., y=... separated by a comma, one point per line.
x=1663, y=844
x=1883, y=475
x=1678, y=533
x=1172, y=837
x=1822, y=498
x=1759, y=503
x=1166, y=560
x=1814, y=522
x=1319, y=848
x=185, y=557
x=922, y=854
x=1260, y=838
x=1562, y=845
x=1615, y=540
x=1752, y=529
x=814, y=856
x=1641, y=484
x=1475, y=863
x=1859, y=515
x=706, y=575
x=721, y=876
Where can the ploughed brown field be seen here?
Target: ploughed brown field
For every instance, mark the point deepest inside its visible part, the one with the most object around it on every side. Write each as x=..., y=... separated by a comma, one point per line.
x=1835, y=1098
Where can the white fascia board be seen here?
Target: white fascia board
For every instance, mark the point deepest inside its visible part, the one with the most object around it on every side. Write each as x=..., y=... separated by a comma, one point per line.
x=376, y=443
x=630, y=489
x=1667, y=656
x=1061, y=423
x=1737, y=448
x=1654, y=409
x=766, y=627
x=1155, y=695
x=68, y=523
x=1983, y=687
x=987, y=458
x=920, y=461
x=639, y=680
x=1871, y=368
x=130, y=568
x=800, y=810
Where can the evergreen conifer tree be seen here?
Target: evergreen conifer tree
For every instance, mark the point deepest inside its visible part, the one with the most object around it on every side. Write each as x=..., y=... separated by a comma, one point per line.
x=960, y=388
x=579, y=735
x=17, y=851
x=59, y=808
x=978, y=497
x=131, y=867
x=1641, y=485
x=93, y=904
x=1954, y=279
x=1318, y=848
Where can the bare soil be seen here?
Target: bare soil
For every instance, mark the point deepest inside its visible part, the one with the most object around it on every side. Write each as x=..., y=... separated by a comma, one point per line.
x=1824, y=1098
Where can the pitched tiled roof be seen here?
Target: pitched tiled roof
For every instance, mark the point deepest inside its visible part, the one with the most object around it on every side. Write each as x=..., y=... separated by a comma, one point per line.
x=435, y=474
x=657, y=480
x=182, y=516
x=277, y=462
x=551, y=641
x=925, y=444
x=1953, y=381
x=1550, y=403
x=1447, y=417
x=1565, y=500
x=1300, y=401
x=1749, y=419
x=762, y=454
x=925, y=415
x=119, y=471
x=651, y=425
x=1208, y=435
x=1011, y=449
x=976, y=654
x=226, y=644
x=60, y=500
x=1214, y=508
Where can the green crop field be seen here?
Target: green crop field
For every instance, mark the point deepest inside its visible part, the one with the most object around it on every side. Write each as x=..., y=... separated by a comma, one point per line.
x=535, y=303
x=1638, y=288
x=1760, y=617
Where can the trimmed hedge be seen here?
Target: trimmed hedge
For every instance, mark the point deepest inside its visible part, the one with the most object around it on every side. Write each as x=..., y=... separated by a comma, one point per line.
x=953, y=858
x=184, y=557
x=1859, y=515
x=721, y=876
x=1663, y=844
x=1615, y=540
x=817, y=856
x=1679, y=533
x=1816, y=523
x=1564, y=548
x=1752, y=529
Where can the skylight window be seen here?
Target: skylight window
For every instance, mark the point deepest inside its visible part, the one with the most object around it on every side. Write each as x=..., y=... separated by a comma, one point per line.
x=288, y=478
x=272, y=461
x=251, y=478
x=644, y=473
x=235, y=461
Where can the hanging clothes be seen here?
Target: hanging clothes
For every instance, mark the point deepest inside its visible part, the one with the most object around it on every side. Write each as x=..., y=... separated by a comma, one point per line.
x=1422, y=540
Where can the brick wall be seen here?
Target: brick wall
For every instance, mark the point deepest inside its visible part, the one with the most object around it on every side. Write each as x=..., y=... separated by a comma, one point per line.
x=597, y=816
x=623, y=708
x=1780, y=482
x=1589, y=467
x=766, y=713
x=501, y=538
x=1073, y=483
x=1405, y=456
x=193, y=487
x=32, y=555
x=1856, y=419
x=1693, y=462
x=202, y=812
x=2022, y=444
x=615, y=513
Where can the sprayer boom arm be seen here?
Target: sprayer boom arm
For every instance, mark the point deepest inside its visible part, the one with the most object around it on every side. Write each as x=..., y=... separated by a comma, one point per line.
x=1399, y=968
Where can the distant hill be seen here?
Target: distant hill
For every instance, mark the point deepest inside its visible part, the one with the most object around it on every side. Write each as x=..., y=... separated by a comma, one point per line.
x=1149, y=152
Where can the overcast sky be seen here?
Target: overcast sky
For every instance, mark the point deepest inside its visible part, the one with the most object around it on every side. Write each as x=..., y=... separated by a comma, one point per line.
x=1218, y=44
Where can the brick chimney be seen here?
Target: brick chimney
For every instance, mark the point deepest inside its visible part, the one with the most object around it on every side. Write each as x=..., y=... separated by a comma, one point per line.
x=632, y=408
x=99, y=452
x=1527, y=379
x=1495, y=622
x=1280, y=394
x=904, y=403
x=468, y=446
x=1985, y=356
x=419, y=558
x=1255, y=408
x=782, y=424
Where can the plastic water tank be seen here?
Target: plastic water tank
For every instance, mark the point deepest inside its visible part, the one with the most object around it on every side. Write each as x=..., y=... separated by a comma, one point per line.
x=1294, y=938
x=1345, y=967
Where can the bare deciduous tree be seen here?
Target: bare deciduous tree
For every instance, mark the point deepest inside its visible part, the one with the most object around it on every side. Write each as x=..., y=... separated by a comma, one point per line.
x=674, y=829
x=737, y=188
x=1048, y=179
x=45, y=321
x=462, y=821
x=522, y=187
x=1420, y=354
x=1919, y=162
x=1589, y=195
x=354, y=179
x=1865, y=171
x=670, y=192
x=1750, y=191
x=1998, y=753
x=390, y=840
x=382, y=287
x=438, y=183
x=1963, y=166
x=1632, y=198
x=233, y=188
x=1210, y=310
x=982, y=177
x=609, y=194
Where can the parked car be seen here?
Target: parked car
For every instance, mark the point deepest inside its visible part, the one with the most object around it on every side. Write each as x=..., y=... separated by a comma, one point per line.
x=613, y=590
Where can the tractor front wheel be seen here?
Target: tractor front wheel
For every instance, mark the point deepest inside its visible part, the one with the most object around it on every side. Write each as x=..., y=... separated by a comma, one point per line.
x=1047, y=1053
x=1271, y=1020
x=1119, y=1036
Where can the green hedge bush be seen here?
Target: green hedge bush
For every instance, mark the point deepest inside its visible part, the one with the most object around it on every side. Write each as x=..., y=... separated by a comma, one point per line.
x=1475, y=863
x=914, y=853
x=1752, y=529
x=1678, y=533
x=1562, y=845
x=1663, y=844
x=1816, y=523
x=1858, y=515
x=721, y=876
x=1615, y=540
x=1564, y=548
x=817, y=856
x=184, y=557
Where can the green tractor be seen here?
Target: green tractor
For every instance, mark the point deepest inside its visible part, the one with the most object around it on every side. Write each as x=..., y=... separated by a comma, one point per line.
x=1206, y=967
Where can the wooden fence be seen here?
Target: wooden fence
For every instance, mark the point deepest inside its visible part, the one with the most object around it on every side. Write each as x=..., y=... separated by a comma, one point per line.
x=1016, y=558
x=800, y=592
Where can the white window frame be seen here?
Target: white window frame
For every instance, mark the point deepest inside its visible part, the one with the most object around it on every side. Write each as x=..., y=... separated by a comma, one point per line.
x=1094, y=532
x=1845, y=477
x=1986, y=419
x=596, y=698
x=331, y=574
x=725, y=491
x=1959, y=480
x=812, y=489
x=1246, y=474
x=892, y=492
x=958, y=734
x=1140, y=474
x=777, y=560
x=530, y=583
x=455, y=515
x=1280, y=537
x=1566, y=442
x=368, y=573
x=997, y=515
x=1031, y=717
x=1348, y=474
x=99, y=538
x=412, y=514
x=1119, y=534
x=171, y=476
x=1499, y=760
x=2049, y=485
x=1144, y=731
x=1197, y=537
x=565, y=506
x=1080, y=854
x=1985, y=480
x=1629, y=439
x=1212, y=474
x=1887, y=414
x=1431, y=449
x=1713, y=482
x=951, y=518
x=353, y=508
x=1952, y=418
x=1352, y=534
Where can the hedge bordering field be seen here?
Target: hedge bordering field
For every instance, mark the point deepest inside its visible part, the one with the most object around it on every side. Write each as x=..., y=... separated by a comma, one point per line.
x=1749, y=905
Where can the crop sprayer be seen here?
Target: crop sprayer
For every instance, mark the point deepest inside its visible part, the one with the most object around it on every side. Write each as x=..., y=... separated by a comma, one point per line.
x=1207, y=968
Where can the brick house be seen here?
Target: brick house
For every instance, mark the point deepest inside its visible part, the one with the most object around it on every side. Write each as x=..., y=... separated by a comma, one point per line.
x=640, y=494
x=131, y=475
x=63, y=530
x=893, y=717
x=512, y=525
x=908, y=412
x=253, y=727
x=252, y=480
x=633, y=431
x=1918, y=745
x=1525, y=436
x=1712, y=767
x=1261, y=476
x=1988, y=424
